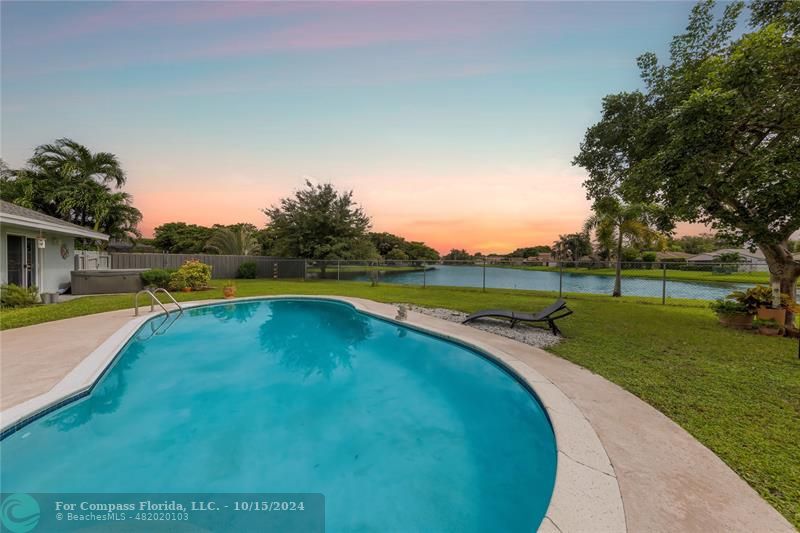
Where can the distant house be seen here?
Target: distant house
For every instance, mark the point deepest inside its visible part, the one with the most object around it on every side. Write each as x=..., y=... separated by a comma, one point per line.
x=36, y=250
x=543, y=258
x=675, y=257
x=129, y=246
x=750, y=261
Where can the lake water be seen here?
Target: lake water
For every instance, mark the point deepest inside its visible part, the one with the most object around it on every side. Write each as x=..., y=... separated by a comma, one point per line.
x=510, y=278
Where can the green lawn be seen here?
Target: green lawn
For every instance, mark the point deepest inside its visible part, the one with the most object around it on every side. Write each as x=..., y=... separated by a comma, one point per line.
x=657, y=273
x=737, y=392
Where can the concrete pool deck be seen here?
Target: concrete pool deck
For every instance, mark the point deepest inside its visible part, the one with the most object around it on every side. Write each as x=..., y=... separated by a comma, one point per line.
x=622, y=465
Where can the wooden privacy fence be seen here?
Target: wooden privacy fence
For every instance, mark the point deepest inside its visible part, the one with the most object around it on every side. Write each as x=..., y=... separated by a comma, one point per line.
x=222, y=266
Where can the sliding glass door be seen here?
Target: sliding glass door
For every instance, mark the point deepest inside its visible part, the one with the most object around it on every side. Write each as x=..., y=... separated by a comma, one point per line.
x=21, y=260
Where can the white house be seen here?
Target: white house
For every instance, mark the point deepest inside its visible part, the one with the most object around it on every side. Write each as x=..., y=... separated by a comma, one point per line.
x=750, y=261
x=37, y=249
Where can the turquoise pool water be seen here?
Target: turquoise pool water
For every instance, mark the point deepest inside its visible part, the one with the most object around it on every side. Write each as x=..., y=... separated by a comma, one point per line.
x=401, y=431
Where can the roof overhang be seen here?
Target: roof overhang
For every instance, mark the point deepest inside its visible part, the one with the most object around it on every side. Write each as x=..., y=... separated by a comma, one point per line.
x=51, y=227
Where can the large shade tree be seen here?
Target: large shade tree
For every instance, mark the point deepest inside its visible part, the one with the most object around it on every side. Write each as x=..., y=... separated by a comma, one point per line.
x=319, y=222
x=67, y=180
x=714, y=136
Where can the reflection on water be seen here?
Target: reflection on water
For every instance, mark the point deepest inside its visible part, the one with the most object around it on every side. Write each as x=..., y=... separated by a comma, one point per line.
x=239, y=312
x=105, y=397
x=317, y=341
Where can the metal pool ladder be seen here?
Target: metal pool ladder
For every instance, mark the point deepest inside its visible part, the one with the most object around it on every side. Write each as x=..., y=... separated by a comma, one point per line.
x=167, y=315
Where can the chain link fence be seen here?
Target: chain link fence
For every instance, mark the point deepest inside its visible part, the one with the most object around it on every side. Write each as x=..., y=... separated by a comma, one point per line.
x=664, y=281
x=659, y=280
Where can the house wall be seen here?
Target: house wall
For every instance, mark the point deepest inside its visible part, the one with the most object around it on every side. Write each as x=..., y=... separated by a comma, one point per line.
x=52, y=269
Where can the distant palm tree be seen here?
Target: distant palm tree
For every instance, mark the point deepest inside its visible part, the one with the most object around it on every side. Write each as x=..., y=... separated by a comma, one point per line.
x=239, y=240
x=613, y=222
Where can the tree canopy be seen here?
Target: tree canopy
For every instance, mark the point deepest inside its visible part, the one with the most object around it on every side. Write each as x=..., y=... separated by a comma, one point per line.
x=319, y=222
x=457, y=255
x=714, y=136
x=391, y=246
x=530, y=251
x=180, y=237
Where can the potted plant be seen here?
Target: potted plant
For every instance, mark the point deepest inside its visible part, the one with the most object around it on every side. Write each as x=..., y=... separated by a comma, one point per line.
x=769, y=327
x=732, y=313
x=229, y=290
x=760, y=299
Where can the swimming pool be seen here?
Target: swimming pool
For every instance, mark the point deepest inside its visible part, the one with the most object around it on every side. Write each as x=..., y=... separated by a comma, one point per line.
x=400, y=430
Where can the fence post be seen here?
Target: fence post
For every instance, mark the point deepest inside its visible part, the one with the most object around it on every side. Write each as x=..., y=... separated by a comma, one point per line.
x=338, y=270
x=560, y=277
x=305, y=267
x=663, y=283
x=484, y=274
x=424, y=275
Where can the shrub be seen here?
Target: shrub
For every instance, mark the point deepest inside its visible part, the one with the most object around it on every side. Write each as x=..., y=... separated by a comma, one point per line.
x=193, y=274
x=15, y=296
x=630, y=254
x=649, y=257
x=157, y=277
x=729, y=307
x=246, y=270
x=177, y=281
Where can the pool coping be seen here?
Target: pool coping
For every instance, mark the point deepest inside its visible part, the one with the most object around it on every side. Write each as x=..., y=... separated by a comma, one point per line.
x=586, y=495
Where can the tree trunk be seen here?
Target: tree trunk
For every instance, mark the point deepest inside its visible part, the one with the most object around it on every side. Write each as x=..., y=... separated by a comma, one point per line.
x=785, y=270
x=618, y=278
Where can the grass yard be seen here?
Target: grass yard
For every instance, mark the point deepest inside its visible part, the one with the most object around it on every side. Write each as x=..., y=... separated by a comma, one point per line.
x=736, y=392
x=657, y=273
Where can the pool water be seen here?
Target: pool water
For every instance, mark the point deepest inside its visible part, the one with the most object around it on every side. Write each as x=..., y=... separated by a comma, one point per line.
x=400, y=430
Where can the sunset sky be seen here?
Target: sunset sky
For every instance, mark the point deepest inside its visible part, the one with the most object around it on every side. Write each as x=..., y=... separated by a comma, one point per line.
x=453, y=123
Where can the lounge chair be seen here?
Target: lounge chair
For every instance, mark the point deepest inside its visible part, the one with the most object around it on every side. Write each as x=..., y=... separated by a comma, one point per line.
x=549, y=314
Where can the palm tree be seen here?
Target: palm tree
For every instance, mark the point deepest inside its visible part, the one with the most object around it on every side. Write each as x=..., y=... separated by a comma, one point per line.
x=613, y=222
x=74, y=162
x=115, y=215
x=234, y=240
x=66, y=180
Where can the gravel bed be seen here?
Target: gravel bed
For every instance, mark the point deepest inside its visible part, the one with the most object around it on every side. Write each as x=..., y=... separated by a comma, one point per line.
x=541, y=338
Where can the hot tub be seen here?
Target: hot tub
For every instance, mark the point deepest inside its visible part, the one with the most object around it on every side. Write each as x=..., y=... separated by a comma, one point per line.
x=107, y=281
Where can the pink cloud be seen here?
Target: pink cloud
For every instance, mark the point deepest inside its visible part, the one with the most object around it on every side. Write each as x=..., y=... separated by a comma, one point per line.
x=373, y=24
x=103, y=18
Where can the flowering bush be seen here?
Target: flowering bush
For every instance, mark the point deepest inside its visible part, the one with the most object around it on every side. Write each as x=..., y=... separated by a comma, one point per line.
x=192, y=274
